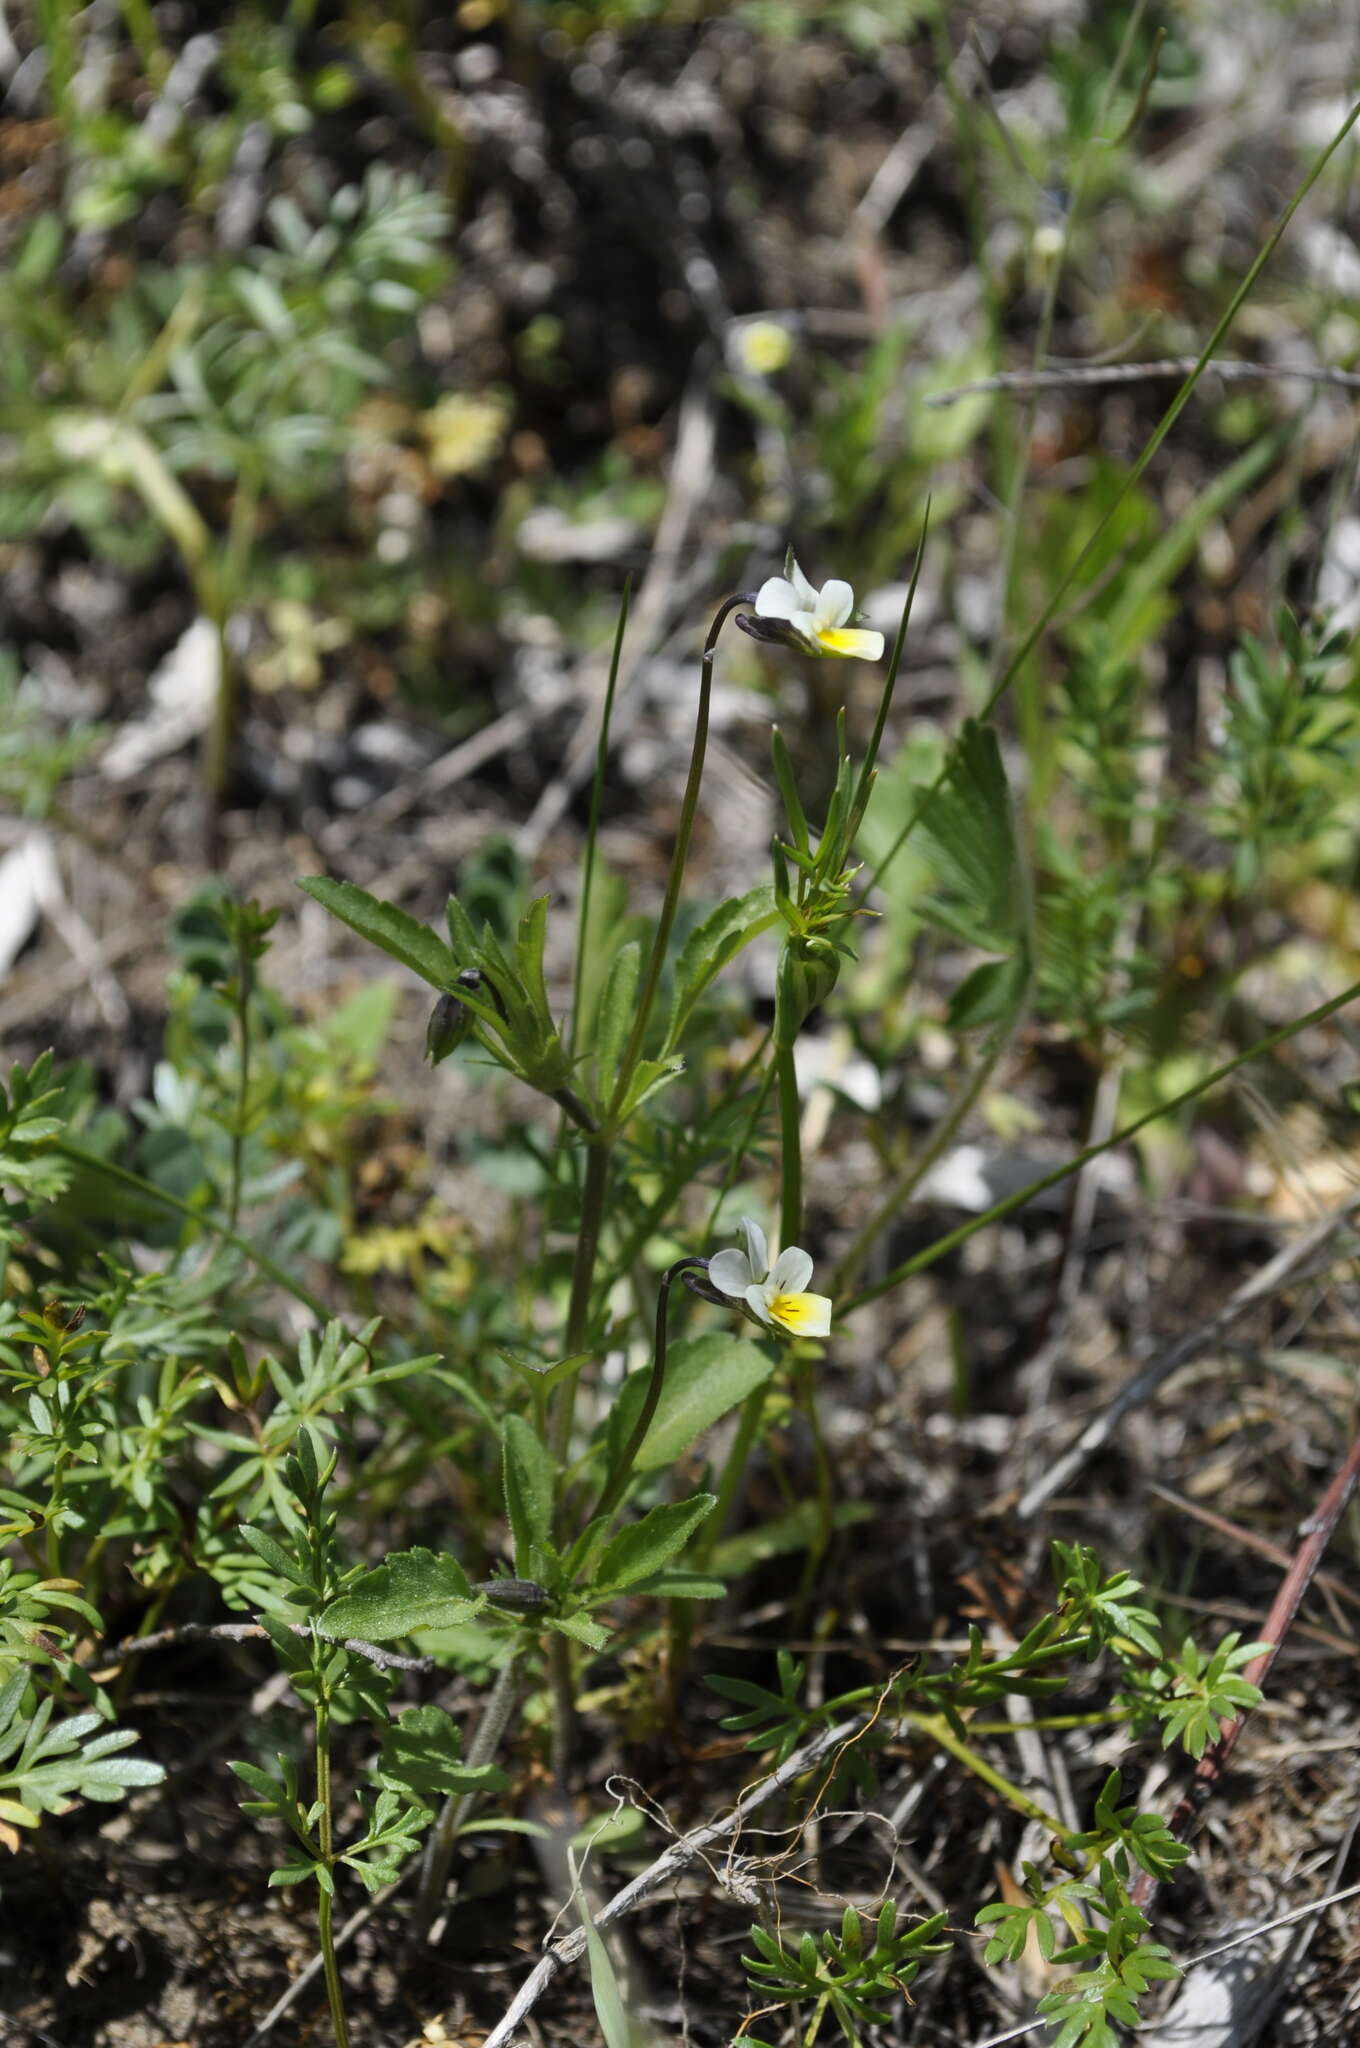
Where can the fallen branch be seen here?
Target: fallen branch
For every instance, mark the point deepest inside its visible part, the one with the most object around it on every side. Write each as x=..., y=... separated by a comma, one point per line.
x=253, y=1631
x=681, y=1852
x=1088, y=376
x=1317, y=1533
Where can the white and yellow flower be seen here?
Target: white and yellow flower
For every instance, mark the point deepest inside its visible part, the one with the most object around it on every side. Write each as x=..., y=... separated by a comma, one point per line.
x=773, y=1292
x=814, y=620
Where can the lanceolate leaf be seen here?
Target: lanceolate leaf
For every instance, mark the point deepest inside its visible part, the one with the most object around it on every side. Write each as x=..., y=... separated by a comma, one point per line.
x=403, y=938
x=649, y=1545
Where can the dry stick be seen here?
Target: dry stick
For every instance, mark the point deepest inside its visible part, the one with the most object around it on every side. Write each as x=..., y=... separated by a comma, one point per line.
x=1317, y=1533
x=681, y=1852
x=1249, y=1539
x=1079, y=376
x=1145, y=1383
x=253, y=1631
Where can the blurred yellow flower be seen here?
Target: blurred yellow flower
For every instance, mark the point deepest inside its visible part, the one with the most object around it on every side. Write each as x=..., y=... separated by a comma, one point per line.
x=463, y=432
x=762, y=347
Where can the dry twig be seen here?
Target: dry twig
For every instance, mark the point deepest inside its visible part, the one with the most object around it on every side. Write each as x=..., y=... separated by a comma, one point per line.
x=686, y=1849
x=1088, y=376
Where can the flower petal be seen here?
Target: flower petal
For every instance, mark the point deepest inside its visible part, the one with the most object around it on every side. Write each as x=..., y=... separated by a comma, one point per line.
x=835, y=604
x=730, y=1273
x=757, y=1250
x=758, y=1305
x=777, y=599
x=791, y=1271
x=848, y=640
x=807, y=595
x=809, y=633
x=802, y=1315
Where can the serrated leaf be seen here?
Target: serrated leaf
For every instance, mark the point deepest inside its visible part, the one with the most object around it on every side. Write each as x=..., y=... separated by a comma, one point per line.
x=422, y=1757
x=648, y=1546
x=415, y=1589
x=711, y=945
x=580, y=1628
x=967, y=826
x=401, y=937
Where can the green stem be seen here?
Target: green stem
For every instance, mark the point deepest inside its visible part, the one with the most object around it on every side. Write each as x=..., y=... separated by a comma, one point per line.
x=238, y=1135
x=325, y=1899
x=954, y=1238
x=617, y=1480
x=815, y=2025
x=671, y=901
x=791, y=1149
x=593, y=1192
x=593, y=827
x=907, y=1182
x=939, y=1731
x=1029, y=708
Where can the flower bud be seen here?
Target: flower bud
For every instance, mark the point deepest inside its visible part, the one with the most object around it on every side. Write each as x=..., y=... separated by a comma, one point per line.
x=807, y=973
x=450, y=1020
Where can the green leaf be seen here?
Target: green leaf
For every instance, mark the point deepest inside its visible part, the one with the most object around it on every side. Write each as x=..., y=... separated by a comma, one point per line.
x=615, y=2024
x=618, y=1006
x=711, y=945
x=422, y=1757
x=580, y=1628
x=413, y=1590
x=706, y=1377
x=967, y=826
x=528, y=1475
x=990, y=994
x=647, y=1546
x=403, y=938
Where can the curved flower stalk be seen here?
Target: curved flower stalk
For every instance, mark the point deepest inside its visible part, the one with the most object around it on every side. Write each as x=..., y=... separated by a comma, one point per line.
x=774, y=1292
x=789, y=610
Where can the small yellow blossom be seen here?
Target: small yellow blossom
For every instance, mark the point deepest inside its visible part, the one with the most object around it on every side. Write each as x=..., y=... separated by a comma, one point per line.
x=762, y=347
x=463, y=432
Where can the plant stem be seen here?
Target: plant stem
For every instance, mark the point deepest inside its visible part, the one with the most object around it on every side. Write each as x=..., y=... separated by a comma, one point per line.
x=563, y=1415
x=617, y=1480
x=1130, y=482
x=670, y=902
x=791, y=1149
x=325, y=1898
x=943, y=1245
x=244, y=977
x=434, y=1876
x=939, y=1731
x=907, y=1182
x=588, y=859
x=593, y=1194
